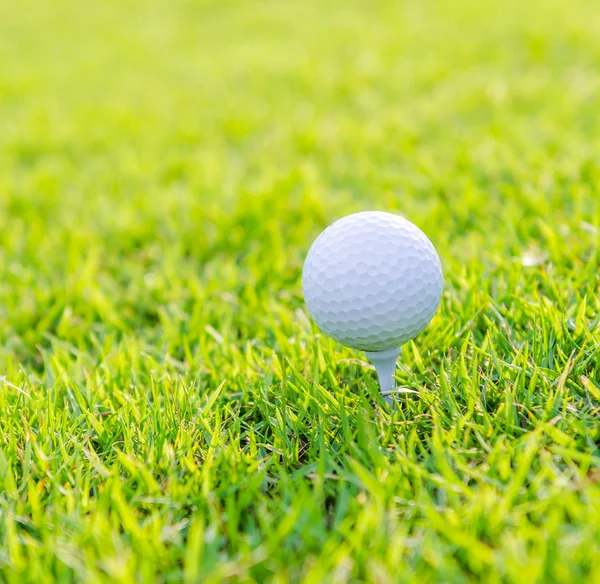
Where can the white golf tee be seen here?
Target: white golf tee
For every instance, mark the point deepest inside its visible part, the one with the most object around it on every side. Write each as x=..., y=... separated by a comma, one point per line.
x=385, y=365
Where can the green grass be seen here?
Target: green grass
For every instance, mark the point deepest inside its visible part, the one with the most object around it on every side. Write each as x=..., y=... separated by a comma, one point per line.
x=168, y=412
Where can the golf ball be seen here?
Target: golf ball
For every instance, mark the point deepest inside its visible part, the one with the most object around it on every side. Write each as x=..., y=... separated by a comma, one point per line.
x=372, y=281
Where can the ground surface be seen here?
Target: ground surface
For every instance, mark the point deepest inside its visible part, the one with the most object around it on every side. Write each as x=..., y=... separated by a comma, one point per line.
x=167, y=410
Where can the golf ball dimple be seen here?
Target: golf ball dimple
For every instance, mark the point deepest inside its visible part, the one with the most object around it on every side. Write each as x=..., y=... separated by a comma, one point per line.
x=372, y=281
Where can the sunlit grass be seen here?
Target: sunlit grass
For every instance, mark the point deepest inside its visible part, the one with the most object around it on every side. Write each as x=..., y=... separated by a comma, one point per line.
x=168, y=411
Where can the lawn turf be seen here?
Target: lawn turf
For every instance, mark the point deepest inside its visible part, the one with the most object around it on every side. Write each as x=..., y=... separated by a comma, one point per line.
x=168, y=412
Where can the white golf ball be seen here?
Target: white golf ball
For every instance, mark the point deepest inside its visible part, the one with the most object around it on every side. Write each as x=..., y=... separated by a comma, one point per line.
x=372, y=281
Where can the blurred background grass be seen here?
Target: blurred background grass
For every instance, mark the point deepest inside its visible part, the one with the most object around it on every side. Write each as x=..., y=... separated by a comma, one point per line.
x=165, y=166
x=155, y=132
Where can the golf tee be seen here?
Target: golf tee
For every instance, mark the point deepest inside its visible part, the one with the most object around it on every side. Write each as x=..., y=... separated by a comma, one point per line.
x=385, y=365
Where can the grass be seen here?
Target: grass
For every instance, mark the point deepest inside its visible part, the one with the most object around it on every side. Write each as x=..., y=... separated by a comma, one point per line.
x=169, y=413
